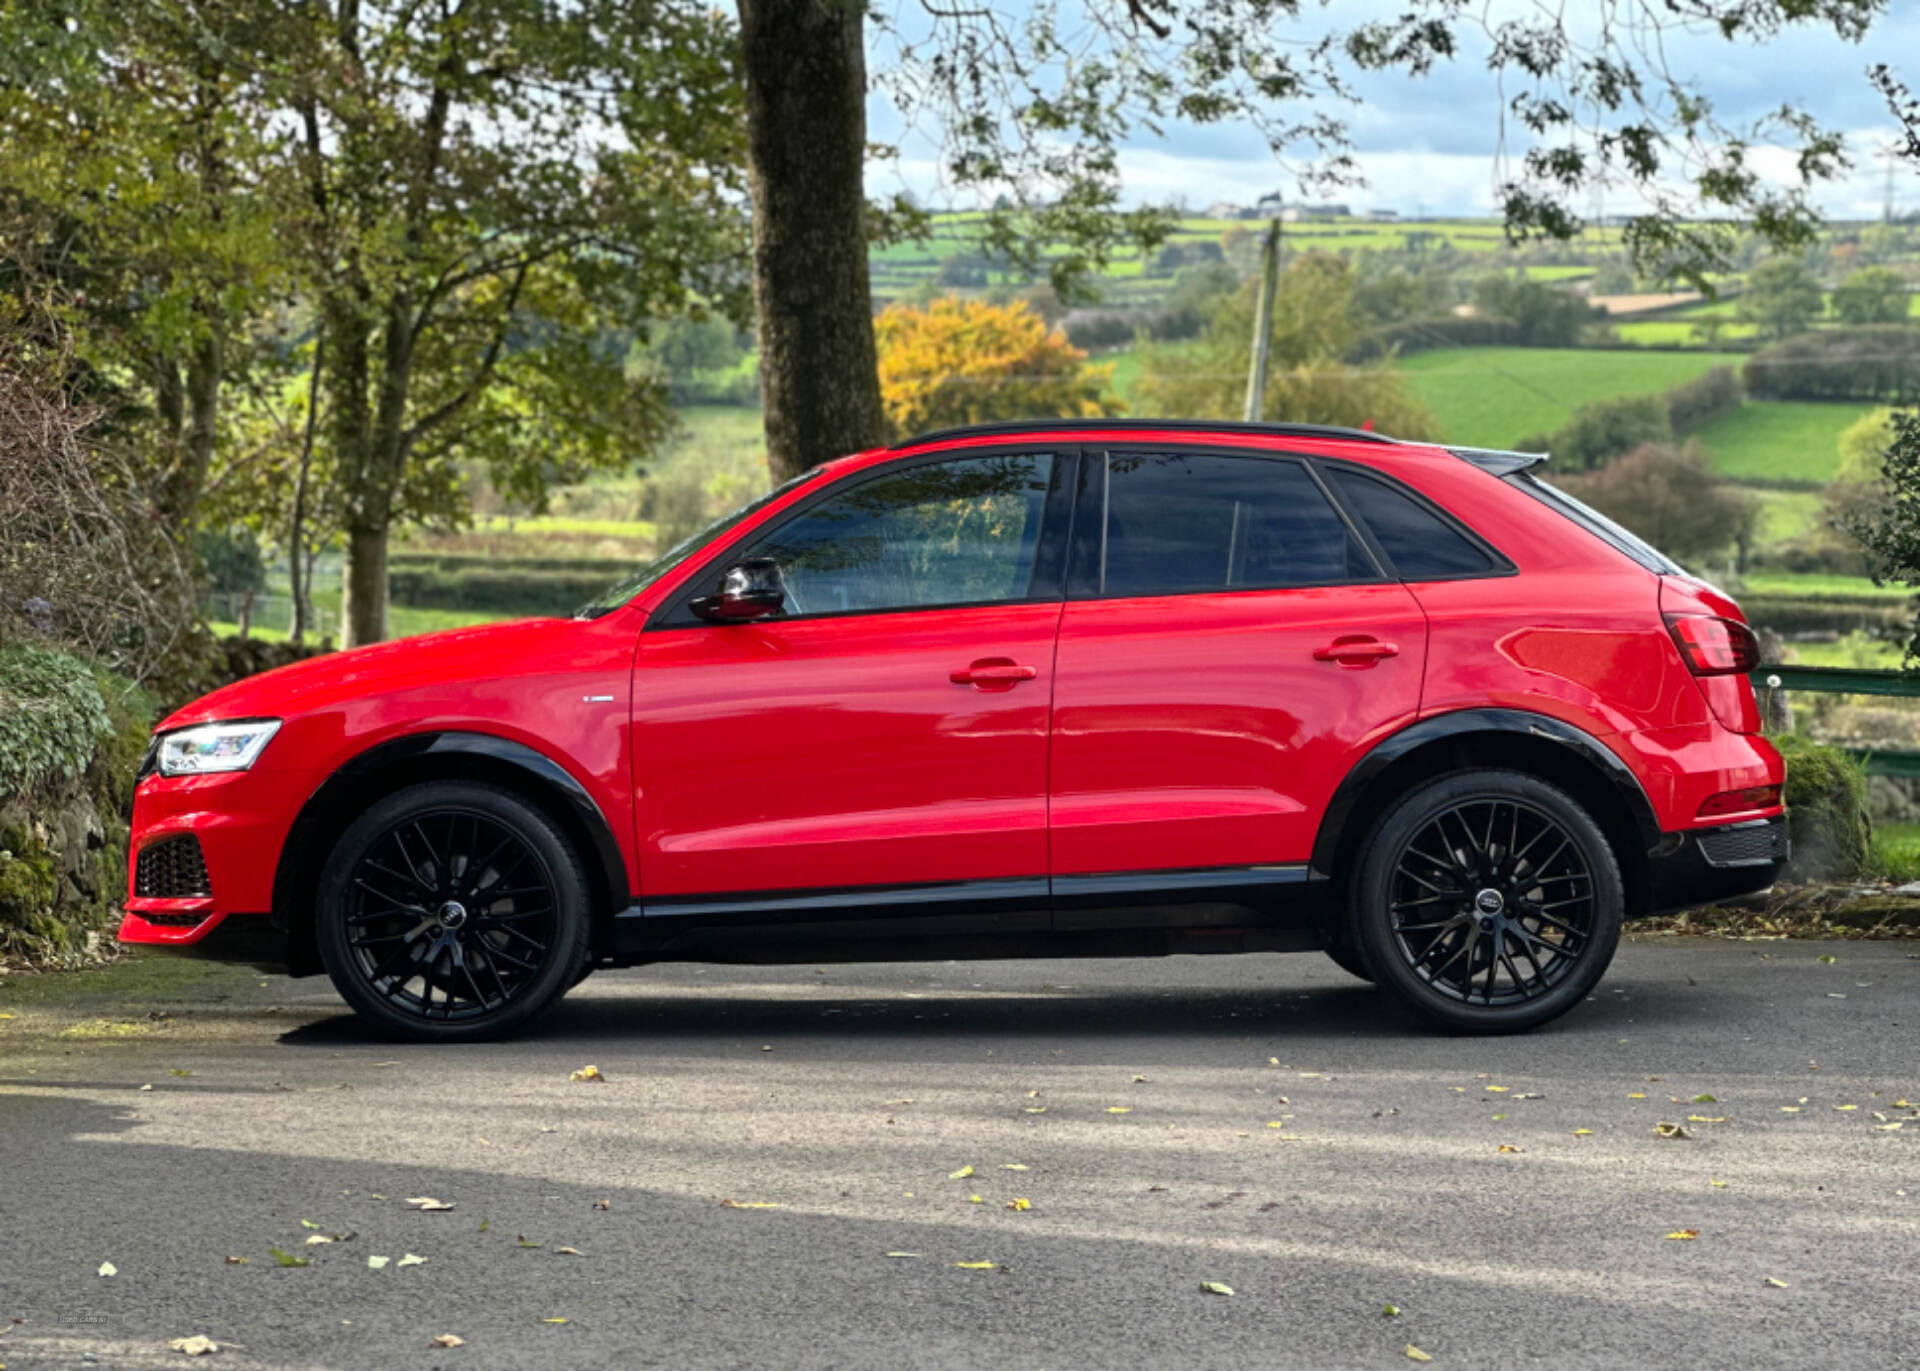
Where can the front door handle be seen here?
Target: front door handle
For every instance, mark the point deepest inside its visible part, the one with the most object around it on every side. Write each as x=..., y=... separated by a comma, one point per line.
x=1355, y=651
x=993, y=673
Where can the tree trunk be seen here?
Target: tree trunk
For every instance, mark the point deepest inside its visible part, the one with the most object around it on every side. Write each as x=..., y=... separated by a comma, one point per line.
x=363, y=605
x=806, y=145
x=301, y=582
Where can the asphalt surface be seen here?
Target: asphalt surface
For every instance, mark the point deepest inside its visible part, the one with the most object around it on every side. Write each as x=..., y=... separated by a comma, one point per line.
x=1286, y=1134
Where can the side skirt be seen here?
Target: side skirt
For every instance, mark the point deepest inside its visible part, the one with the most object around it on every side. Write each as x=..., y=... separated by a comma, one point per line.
x=1120, y=914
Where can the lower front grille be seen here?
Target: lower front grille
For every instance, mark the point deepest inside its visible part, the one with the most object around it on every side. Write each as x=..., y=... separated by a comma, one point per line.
x=172, y=869
x=1751, y=845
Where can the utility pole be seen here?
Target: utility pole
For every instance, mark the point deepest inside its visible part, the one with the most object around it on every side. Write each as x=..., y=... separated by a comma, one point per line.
x=1263, y=322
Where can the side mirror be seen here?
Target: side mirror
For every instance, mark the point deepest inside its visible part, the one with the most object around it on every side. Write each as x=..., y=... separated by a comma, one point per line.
x=748, y=590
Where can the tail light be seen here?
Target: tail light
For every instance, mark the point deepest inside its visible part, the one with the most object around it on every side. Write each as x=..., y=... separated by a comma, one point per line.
x=1714, y=647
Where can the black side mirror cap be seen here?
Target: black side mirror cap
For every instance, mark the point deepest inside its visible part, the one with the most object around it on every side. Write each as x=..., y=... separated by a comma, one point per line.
x=749, y=589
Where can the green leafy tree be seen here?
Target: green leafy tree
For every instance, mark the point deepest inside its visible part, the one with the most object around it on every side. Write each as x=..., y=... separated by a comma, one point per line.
x=491, y=190
x=1781, y=297
x=1314, y=326
x=1888, y=526
x=1872, y=295
x=1544, y=315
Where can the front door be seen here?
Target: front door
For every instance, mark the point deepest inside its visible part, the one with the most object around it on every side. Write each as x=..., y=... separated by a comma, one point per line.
x=882, y=742
x=1228, y=648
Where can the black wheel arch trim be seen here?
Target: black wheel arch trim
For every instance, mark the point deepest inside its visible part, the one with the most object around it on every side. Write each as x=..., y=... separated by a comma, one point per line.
x=585, y=814
x=1462, y=723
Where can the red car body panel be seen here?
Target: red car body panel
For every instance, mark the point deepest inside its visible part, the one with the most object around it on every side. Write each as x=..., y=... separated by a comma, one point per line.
x=836, y=752
x=1161, y=733
x=1200, y=731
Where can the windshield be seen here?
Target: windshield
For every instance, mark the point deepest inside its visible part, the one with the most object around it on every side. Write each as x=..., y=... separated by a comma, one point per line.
x=612, y=598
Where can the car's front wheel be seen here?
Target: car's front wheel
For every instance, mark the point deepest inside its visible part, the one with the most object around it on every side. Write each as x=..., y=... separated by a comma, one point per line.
x=1488, y=901
x=451, y=911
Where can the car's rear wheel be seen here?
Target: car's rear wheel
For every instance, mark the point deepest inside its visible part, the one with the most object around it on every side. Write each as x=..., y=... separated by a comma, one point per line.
x=1489, y=901
x=451, y=911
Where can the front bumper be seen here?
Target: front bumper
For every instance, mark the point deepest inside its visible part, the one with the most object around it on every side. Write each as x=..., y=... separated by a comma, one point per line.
x=1703, y=865
x=239, y=822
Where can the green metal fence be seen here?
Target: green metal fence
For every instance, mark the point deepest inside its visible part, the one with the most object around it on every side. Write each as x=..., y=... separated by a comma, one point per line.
x=1835, y=680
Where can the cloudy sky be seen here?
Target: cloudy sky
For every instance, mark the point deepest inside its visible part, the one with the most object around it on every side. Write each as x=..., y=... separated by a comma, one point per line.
x=1428, y=145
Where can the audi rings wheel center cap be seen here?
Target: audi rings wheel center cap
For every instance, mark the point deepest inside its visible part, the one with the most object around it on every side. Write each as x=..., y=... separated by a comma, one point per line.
x=453, y=914
x=1489, y=901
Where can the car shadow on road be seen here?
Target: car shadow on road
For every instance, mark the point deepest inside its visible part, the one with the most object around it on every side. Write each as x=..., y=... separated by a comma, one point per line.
x=723, y=1014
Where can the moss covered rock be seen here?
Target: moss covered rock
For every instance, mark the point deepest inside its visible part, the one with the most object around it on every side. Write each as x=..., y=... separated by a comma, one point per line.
x=1826, y=812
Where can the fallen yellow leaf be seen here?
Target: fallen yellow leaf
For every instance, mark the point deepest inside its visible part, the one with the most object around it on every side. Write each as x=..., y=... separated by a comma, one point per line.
x=109, y=1269
x=1215, y=1288
x=1775, y=1282
x=1637, y=1095
x=1415, y=1354
x=748, y=1204
x=1718, y=1185
x=1039, y=1109
x=553, y=1320
x=961, y=1174
x=1684, y=1234
x=426, y=1204
x=1509, y=1147
x=449, y=1340
x=1498, y=1089
x=976, y=1266
x=1583, y=1132
x=1703, y=1118
x=199, y=1345
x=975, y=1199
x=1019, y=1206
x=1119, y=1109
x=587, y=1073
x=1672, y=1130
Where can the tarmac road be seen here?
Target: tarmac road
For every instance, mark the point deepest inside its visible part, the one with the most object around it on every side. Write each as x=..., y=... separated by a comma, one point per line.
x=1262, y=1122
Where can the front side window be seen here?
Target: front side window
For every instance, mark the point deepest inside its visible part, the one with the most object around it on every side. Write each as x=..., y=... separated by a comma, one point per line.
x=957, y=532
x=1182, y=523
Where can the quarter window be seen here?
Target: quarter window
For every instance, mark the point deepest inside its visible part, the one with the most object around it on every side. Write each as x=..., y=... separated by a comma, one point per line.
x=1182, y=523
x=941, y=533
x=1421, y=545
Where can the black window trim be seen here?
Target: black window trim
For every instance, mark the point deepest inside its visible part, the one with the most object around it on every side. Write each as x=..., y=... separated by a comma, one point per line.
x=1044, y=585
x=1094, y=458
x=1503, y=565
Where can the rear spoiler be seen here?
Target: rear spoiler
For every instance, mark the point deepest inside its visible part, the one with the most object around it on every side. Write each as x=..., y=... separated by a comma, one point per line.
x=1499, y=461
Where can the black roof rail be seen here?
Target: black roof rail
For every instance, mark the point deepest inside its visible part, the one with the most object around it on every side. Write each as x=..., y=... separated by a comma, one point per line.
x=1144, y=425
x=1499, y=461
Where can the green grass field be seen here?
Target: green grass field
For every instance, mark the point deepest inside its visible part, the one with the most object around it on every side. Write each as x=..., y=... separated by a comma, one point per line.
x=1492, y=397
x=1817, y=586
x=1779, y=440
x=1787, y=516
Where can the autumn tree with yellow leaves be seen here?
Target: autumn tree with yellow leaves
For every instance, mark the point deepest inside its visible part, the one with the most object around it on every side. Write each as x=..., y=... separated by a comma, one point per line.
x=970, y=362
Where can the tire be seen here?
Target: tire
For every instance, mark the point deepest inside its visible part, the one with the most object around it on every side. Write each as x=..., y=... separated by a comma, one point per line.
x=1460, y=917
x=1347, y=958
x=453, y=911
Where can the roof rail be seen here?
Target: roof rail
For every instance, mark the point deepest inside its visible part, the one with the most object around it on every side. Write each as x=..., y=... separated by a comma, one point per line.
x=1144, y=425
x=1499, y=461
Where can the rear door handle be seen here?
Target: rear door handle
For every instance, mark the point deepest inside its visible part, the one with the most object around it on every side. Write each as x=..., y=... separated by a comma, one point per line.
x=1355, y=650
x=993, y=673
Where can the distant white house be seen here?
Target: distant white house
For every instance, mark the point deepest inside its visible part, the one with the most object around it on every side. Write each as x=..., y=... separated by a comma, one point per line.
x=1294, y=214
x=1226, y=210
x=1383, y=216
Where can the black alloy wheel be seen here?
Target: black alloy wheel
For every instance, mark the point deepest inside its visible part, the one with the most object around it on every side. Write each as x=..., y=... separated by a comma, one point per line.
x=1488, y=900
x=453, y=910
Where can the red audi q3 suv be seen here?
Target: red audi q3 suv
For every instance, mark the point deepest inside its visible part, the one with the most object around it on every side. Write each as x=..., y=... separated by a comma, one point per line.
x=1047, y=689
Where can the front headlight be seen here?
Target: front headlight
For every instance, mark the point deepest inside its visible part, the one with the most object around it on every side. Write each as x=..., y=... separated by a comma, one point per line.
x=214, y=747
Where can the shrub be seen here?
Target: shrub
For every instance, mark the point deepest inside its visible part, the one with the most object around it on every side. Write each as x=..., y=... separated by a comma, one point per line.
x=1827, y=819
x=1880, y=363
x=1672, y=499
x=51, y=719
x=1603, y=430
x=1872, y=295
x=1694, y=403
x=966, y=361
x=1437, y=331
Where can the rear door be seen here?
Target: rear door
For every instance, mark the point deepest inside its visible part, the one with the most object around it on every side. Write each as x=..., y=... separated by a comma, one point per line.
x=1228, y=648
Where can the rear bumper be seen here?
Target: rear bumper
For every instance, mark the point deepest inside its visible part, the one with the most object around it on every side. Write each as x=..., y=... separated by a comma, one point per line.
x=1703, y=865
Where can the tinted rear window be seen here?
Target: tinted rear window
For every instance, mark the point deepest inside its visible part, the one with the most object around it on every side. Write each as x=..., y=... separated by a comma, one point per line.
x=1421, y=545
